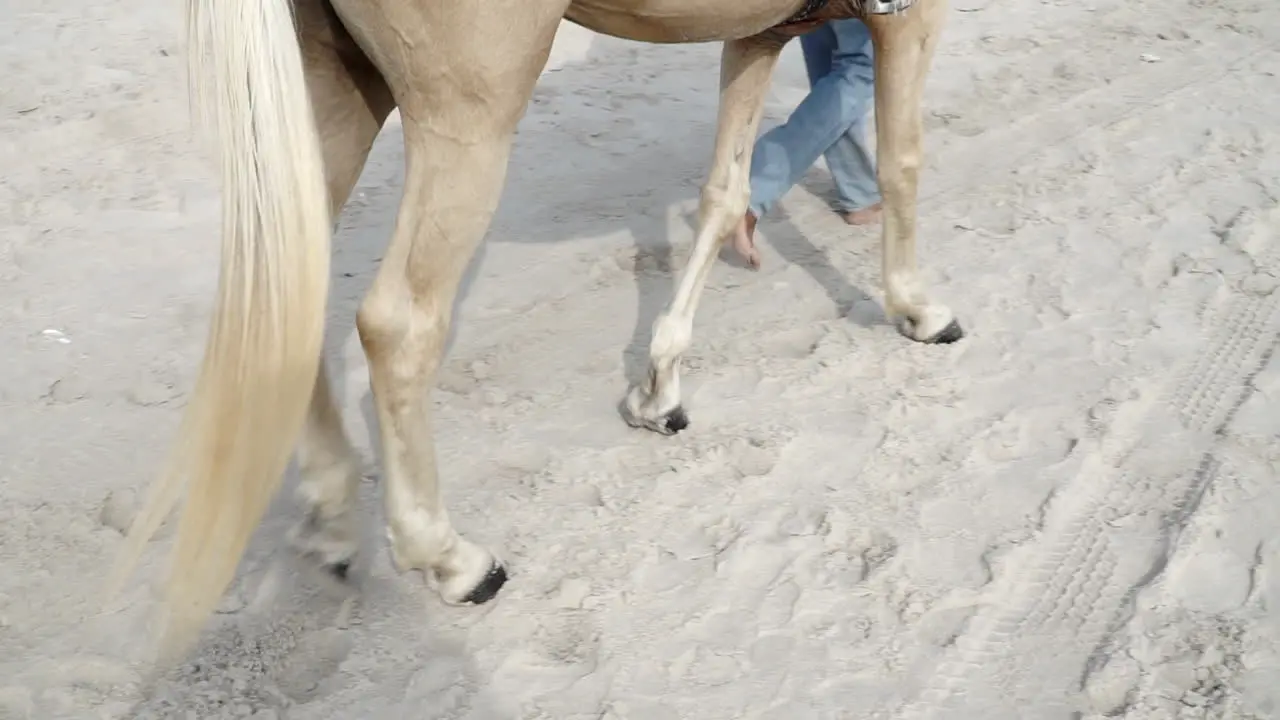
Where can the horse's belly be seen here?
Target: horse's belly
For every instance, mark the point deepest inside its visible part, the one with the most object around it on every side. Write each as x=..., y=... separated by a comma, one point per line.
x=680, y=21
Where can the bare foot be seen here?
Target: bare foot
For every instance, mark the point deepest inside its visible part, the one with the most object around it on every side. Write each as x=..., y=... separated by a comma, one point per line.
x=744, y=241
x=865, y=216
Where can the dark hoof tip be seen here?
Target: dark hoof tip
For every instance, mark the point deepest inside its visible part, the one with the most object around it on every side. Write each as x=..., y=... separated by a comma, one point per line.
x=488, y=587
x=949, y=334
x=340, y=570
x=677, y=419
x=670, y=424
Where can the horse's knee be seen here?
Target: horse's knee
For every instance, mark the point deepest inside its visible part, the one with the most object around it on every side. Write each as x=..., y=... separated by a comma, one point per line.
x=900, y=174
x=402, y=333
x=725, y=203
x=672, y=335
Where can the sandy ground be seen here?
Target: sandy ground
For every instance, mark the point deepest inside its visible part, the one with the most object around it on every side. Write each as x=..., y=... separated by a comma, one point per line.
x=1072, y=513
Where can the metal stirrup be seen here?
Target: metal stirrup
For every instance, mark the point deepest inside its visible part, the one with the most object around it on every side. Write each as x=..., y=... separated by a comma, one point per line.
x=885, y=7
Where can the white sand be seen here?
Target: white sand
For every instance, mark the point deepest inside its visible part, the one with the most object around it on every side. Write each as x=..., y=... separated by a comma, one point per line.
x=1023, y=525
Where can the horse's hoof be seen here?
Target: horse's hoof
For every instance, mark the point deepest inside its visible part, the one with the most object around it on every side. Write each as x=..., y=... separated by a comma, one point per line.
x=341, y=570
x=488, y=587
x=676, y=420
x=329, y=543
x=669, y=423
x=947, y=335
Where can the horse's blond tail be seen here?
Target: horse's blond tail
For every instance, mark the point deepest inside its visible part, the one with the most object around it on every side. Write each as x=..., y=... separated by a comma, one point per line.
x=264, y=344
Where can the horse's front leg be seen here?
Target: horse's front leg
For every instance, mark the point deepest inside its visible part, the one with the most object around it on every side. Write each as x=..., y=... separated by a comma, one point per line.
x=904, y=45
x=746, y=67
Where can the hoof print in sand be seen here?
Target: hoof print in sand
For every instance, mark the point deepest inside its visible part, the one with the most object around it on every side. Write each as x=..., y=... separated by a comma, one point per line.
x=877, y=549
x=753, y=459
x=314, y=660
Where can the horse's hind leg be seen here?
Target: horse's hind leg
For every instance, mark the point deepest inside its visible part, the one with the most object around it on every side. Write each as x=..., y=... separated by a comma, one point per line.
x=904, y=46
x=746, y=67
x=462, y=74
x=350, y=101
x=329, y=472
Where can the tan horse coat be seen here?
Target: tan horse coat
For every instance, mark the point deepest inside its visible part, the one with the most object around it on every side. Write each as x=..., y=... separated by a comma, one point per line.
x=295, y=93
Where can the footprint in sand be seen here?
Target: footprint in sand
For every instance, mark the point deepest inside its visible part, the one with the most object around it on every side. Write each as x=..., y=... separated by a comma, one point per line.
x=316, y=658
x=1214, y=581
x=795, y=343
x=441, y=687
x=1269, y=576
x=950, y=562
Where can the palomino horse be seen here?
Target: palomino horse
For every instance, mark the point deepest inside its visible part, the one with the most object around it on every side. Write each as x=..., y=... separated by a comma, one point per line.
x=295, y=93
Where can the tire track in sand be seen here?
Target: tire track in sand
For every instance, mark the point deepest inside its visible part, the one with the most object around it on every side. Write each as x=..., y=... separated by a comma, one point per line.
x=1029, y=650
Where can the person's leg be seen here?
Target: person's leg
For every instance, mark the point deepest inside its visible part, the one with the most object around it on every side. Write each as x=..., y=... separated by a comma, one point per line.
x=853, y=171
x=773, y=175
x=850, y=159
x=835, y=101
x=839, y=63
x=818, y=47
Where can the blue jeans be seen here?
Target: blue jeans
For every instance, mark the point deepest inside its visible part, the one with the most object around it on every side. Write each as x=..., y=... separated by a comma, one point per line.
x=830, y=121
